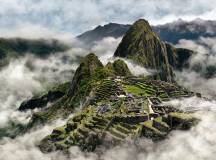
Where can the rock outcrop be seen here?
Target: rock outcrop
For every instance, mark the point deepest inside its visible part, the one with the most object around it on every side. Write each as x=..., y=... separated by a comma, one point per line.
x=87, y=68
x=119, y=67
x=179, y=58
x=144, y=47
x=49, y=97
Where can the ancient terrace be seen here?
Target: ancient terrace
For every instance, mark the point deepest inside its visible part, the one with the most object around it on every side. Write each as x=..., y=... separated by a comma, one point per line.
x=123, y=108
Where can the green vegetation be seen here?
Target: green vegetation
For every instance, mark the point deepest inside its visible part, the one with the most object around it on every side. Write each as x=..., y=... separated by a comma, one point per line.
x=143, y=46
x=109, y=114
x=16, y=47
x=135, y=90
x=40, y=47
x=183, y=116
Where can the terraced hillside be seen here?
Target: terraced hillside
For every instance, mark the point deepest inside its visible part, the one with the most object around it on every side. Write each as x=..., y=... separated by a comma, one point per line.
x=115, y=107
x=123, y=108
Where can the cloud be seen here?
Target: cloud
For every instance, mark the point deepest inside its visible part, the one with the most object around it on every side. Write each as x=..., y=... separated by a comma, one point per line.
x=195, y=82
x=196, y=144
x=105, y=50
x=193, y=102
x=35, y=73
x=35, y=31
x=198, y=77
x=78, y=16
x=137, y=70
x=27, y=76
x=25, y=147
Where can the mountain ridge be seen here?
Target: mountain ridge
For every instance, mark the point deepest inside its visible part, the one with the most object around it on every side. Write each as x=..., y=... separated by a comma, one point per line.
x=17, y=47
x=179, y=29
x=144, y=47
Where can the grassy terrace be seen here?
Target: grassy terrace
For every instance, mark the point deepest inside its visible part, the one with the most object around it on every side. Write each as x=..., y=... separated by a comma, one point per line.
x=106, y=89
x=148, y=124
x=182, y=116
x=116, y=133
x=135, y=90
x=160, y=120
x=121, y=130
x=146, y=87
x=149, y=88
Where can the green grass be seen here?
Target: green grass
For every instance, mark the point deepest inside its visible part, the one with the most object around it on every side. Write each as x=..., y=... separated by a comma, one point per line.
x=117, y=134
x=135, y=90
x=145, y=87
x=181, y=115
x=148, y=124
x=122, y=129
x=60, y=129
x=127, y=126
x=159, y=120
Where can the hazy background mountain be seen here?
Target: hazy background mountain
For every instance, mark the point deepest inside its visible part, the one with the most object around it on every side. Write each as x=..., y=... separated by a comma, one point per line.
x=170, y=32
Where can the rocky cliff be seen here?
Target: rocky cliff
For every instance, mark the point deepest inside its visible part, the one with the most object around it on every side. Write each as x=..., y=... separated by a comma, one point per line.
x=144, y=47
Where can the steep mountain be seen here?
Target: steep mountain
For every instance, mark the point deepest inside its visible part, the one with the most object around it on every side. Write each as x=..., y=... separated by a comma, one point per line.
x=170, y=32
x=87, y=68
x=140, y=44
x=120, y=107
x=16, y=47
x=144, y=47
x=79, y=92
x=100, y=32
x=180, y=29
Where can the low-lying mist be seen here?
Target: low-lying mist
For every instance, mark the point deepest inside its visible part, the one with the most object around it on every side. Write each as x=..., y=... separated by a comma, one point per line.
x=30, y=75
x=27, y=76
x=197, y=144
x=201, y=75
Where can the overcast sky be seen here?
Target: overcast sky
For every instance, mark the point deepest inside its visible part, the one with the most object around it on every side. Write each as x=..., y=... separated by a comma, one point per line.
x=77, y=16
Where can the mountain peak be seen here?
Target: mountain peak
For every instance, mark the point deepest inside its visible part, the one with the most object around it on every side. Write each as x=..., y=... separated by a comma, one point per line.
x=85, y=70
x=119, y=67
x=144, y=47
x=142, y=24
